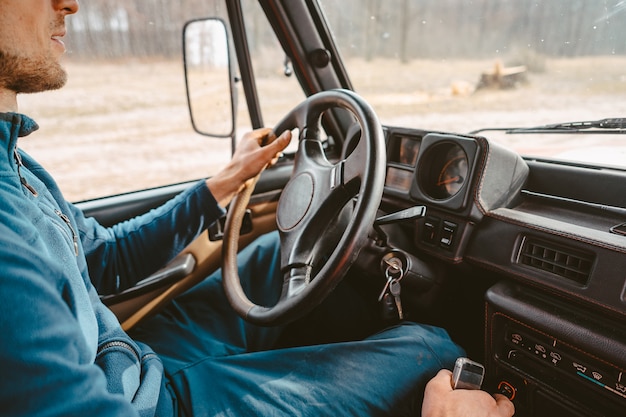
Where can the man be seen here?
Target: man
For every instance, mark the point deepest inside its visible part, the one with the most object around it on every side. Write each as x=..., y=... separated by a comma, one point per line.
x=63, y=353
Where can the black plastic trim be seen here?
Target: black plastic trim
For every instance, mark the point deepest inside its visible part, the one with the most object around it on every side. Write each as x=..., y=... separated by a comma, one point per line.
x=178, y=269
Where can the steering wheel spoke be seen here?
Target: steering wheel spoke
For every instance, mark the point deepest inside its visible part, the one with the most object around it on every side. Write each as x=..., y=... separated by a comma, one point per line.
x=296, y=279
x=324, y=214
x=305, y=235
x=354, y=166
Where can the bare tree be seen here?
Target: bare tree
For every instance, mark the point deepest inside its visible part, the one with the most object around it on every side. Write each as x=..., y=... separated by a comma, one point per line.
x=402, y=29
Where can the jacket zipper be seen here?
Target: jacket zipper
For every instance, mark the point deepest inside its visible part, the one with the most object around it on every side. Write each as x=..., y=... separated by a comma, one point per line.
x=18, y=160
x=66, y=220
x=69, y=224
x=119, y=343
x=127, y=346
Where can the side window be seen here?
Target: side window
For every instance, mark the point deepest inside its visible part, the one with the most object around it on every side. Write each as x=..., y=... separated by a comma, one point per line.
x=278, y=88
x=121, y=123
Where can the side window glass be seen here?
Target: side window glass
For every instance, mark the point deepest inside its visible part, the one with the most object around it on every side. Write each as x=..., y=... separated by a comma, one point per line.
x=278, y=87
x=121, y=123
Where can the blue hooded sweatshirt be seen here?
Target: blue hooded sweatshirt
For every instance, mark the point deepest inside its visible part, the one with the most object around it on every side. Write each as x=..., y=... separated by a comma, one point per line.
x=62, y=352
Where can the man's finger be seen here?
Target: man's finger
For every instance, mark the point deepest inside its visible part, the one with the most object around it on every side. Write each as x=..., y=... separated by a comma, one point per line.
x=279, y=142
x=504, y=405
x=442, y=382
x=267, y=138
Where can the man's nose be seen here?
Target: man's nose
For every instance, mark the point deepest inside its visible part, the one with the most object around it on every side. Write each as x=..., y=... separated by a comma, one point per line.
x=67, y=6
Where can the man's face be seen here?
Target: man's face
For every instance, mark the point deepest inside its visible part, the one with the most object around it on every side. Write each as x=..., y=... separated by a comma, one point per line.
x=30, y=44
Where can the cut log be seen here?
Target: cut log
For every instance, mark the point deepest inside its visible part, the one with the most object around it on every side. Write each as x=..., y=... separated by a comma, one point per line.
x=501, y=77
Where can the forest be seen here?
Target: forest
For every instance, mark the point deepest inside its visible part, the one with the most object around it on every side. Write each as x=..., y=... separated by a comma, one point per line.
x=402, y=29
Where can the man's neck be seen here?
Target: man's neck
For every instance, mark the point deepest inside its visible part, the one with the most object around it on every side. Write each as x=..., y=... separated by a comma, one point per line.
x=8, y=101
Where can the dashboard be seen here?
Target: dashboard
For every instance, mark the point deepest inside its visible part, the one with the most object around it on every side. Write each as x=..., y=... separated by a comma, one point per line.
x=554, y=321
x=458, y=178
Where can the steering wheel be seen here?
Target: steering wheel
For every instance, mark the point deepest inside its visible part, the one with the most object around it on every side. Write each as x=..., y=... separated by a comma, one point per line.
x=324, y=214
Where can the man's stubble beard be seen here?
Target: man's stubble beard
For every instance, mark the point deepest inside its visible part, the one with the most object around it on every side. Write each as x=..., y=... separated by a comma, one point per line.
x=30, y=75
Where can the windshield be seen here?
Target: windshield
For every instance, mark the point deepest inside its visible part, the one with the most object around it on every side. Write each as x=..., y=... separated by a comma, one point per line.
x=460, y=66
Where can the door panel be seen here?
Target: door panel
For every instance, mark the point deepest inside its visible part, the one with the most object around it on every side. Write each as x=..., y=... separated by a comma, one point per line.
x=198, y=260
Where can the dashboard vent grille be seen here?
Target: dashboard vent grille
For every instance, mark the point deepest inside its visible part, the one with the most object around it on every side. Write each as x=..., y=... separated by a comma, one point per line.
x=559, y=260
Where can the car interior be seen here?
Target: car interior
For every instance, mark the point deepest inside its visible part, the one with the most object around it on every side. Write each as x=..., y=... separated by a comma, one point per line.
x=522, y=259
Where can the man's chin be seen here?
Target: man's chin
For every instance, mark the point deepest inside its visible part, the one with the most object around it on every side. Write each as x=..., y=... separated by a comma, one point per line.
x=42, y=85
x=52, y=79
x=23, y=75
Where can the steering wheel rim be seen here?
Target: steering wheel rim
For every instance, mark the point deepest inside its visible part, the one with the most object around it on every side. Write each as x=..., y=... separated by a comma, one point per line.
x=317, y=194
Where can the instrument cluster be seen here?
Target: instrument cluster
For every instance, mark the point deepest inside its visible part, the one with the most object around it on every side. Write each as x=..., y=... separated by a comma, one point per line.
x=433, y=168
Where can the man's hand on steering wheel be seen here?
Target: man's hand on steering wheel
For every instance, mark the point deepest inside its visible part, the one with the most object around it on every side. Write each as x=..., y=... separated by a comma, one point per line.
x=257, y=150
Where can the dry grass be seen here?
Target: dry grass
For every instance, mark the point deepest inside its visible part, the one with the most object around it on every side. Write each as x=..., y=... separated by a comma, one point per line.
x=124, y=126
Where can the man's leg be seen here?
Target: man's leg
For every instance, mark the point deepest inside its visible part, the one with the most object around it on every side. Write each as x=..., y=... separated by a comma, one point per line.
x=383, y=375
x=217, y=364
x=201, y=323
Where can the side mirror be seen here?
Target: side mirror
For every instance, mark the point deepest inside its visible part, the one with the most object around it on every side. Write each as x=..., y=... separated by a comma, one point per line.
x=209, y=77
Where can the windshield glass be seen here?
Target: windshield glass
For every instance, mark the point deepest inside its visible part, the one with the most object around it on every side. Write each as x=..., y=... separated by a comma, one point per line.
x=460, y=66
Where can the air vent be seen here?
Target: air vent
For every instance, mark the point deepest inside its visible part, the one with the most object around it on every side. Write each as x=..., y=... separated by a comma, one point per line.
x=556, y=259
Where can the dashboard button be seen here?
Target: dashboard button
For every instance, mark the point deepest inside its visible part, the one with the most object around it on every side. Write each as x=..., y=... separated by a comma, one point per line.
x=507, y=389
x=448, y=232
x=431, y=226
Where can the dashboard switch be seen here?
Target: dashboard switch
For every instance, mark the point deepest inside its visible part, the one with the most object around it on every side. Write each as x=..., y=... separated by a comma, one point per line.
x=448, y=231
x=431, y=226
x=505, y=388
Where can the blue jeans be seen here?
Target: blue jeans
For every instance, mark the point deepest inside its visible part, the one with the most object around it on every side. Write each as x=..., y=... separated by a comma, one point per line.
x=219, y=365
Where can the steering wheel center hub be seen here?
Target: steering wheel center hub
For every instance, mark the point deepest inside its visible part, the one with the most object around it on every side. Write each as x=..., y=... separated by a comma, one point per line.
x=295, y=201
